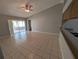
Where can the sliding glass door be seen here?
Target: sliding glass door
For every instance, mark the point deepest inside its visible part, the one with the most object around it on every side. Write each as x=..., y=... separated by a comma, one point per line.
x=18, y=26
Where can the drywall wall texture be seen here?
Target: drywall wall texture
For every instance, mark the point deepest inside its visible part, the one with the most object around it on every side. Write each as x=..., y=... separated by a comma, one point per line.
x=48, y=20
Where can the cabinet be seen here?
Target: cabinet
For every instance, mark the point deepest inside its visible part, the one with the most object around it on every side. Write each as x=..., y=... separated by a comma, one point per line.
x=72, y=11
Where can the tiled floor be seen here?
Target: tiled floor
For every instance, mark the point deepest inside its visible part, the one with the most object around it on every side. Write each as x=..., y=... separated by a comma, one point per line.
x=31, y=45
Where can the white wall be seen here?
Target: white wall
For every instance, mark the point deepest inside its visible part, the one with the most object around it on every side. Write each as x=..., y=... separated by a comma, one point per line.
x=48, y=20
x=65, y=50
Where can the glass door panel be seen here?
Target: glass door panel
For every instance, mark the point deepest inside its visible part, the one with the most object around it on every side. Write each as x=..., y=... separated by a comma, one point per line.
x=18, y=26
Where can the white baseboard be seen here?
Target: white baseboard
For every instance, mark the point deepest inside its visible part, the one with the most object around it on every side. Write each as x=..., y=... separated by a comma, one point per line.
x=46, y=32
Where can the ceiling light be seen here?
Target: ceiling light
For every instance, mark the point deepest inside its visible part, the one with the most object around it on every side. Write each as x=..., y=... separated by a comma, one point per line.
x=27, y=7
x=27, y=10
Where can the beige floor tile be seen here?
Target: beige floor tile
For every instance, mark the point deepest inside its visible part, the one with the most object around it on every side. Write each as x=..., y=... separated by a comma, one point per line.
x=33, y=46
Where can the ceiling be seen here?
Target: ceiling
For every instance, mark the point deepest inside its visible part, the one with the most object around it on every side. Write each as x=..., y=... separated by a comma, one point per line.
x=13, y=7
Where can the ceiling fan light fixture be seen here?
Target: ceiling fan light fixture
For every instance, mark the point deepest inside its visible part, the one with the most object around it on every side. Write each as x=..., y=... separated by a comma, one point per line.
x=27, y=7
x=26, y=10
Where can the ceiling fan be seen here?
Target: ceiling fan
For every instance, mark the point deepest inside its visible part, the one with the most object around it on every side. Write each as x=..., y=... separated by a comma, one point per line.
x=27, y=7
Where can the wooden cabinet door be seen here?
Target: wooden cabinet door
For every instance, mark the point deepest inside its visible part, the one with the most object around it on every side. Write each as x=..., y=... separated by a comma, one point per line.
x=67, y=13
x=72, y=10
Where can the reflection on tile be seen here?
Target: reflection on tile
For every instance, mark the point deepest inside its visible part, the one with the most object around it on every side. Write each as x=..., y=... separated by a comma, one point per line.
x=31, y=45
